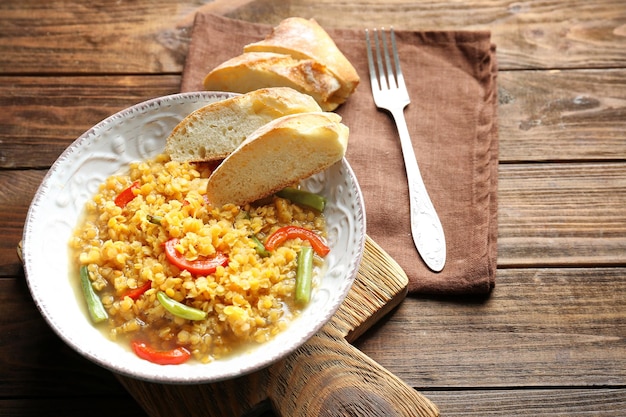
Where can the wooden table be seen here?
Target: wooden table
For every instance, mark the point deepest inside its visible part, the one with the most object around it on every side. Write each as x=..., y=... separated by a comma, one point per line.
x=550, y=339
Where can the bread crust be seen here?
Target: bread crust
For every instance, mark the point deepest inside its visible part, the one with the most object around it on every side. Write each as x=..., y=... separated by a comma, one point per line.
x=306, y=39
x=214, y=131
x=298, y=53
x=254, y=70
x=280, y=153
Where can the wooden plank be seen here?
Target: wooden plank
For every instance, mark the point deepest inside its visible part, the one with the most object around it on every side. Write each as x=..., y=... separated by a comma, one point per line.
x=34, y=362
x=117, y=37
x=99, y=406
x=562, y=115
x=598, y=402
x=41, y=116
x=562, y=214
x=537, y=34
x=17, y=189
x=108, y=37
x=539, y=328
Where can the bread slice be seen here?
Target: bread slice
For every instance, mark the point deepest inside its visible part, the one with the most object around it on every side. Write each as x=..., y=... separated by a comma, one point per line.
x=306, y=39
x=214, y=131
x=254, y=70
x=276, y=155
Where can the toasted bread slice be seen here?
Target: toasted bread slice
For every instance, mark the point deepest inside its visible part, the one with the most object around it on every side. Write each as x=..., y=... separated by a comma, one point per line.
x=214, y=131
x=276, y=155
x=254, y=70
x=306, y=39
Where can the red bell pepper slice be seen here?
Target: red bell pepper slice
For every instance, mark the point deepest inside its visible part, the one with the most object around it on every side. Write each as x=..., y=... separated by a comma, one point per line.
x=127, y=195
x=291, y=232
x=174, y=356
x=137, y=292
x=197, y=267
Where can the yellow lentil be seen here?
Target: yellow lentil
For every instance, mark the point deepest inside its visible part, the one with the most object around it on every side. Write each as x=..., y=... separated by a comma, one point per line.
x=248, y=301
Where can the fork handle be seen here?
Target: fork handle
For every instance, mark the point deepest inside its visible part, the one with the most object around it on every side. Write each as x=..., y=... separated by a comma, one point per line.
x=426, y=227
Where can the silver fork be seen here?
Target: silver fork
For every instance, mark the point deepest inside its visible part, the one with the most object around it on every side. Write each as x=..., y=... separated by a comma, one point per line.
x=390, y=93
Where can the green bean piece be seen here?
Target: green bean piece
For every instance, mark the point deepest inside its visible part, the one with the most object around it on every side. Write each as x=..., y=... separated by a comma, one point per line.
x=303, y=198
x=259, y=247
x=304, y=275
x=94, y=304
x=154, y=219
x=180, y=309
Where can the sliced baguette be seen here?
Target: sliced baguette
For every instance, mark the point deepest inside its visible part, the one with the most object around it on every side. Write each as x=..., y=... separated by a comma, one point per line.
x=214, y=131
x=306, y=39
x=276, y=155
x=254, y=70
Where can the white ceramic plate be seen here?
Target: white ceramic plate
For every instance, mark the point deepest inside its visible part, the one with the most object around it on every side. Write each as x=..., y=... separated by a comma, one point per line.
x=139, y=133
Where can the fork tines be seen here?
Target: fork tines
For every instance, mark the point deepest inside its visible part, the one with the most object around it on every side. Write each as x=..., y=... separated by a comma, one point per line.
x=389, y=76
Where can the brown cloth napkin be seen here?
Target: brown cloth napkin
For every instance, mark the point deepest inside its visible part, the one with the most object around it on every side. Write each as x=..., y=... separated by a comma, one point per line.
x=451, y=78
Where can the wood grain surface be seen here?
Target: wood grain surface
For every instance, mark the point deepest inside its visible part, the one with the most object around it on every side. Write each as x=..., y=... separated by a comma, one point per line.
x=551, y=338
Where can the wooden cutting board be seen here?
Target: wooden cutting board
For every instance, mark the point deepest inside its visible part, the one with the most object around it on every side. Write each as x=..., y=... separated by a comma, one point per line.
x=325, y=377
